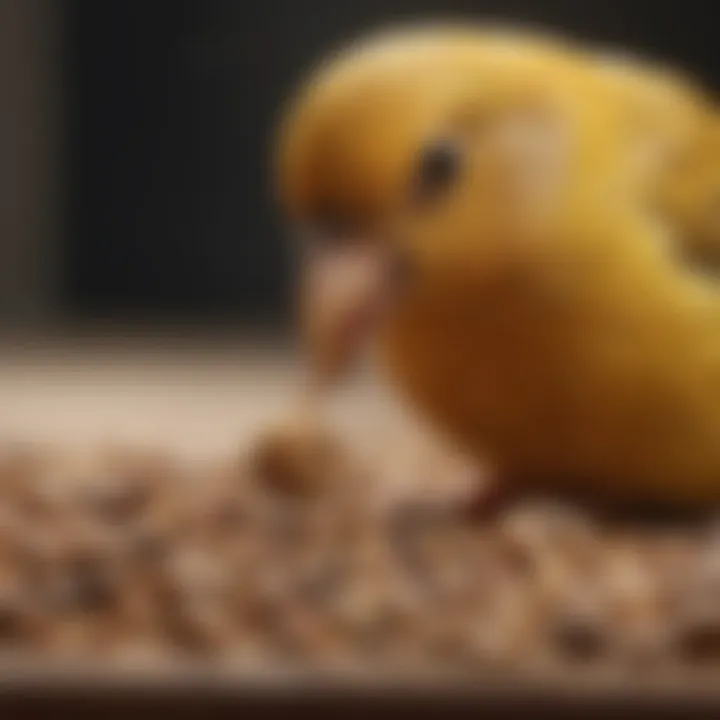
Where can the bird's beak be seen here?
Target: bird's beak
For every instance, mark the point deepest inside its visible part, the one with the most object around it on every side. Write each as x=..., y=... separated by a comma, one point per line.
x=346, y=293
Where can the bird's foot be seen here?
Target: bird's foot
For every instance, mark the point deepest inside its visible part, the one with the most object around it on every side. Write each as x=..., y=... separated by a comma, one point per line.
x=476, y=495
x=489, y=500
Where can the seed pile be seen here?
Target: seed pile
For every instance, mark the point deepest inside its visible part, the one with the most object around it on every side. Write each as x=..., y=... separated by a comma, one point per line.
x=134, y=555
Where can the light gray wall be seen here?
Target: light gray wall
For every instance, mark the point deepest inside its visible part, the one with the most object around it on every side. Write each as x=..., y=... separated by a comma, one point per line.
x=30, y=132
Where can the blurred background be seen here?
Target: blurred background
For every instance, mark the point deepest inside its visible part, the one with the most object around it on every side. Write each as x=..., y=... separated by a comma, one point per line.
x=134, y=137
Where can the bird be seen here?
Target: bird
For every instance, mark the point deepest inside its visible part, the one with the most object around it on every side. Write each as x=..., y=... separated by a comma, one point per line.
x=531, y=296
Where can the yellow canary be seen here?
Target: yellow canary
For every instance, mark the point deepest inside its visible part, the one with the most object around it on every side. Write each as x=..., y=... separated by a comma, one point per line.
x=545, y=319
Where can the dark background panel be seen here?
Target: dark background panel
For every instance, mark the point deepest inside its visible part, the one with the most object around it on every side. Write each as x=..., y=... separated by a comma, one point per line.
x=171, y=110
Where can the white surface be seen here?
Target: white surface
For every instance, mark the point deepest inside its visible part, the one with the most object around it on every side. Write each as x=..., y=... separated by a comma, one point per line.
x=207, y=398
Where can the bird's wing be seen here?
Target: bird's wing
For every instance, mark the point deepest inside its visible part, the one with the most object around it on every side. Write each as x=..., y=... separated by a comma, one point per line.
x=670, y=132
x=690, y=198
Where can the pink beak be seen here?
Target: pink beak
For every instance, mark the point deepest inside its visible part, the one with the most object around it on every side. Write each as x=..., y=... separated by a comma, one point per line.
x=345, y=294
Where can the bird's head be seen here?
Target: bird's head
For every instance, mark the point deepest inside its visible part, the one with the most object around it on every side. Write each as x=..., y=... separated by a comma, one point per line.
x=440, y=152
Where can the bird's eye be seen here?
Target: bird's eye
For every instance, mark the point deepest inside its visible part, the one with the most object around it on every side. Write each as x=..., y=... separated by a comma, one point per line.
x=437, y=168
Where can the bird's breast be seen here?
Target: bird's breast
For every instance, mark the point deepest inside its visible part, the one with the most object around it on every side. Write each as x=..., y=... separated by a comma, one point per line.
x=564, y=395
